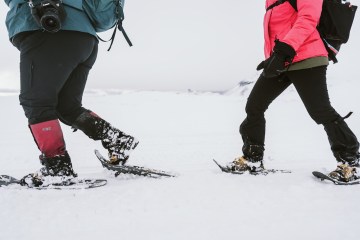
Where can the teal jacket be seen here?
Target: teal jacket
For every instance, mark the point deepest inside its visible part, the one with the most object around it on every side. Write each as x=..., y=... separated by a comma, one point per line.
x=19, y=18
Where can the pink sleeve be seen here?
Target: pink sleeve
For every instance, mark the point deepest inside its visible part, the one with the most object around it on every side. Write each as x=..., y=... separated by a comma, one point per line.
x=309, y=12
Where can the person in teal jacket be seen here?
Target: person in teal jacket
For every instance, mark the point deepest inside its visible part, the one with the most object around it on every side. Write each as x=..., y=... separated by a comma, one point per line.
x=56, y=55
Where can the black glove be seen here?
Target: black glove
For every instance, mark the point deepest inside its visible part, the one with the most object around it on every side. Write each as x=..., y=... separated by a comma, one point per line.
x=261, y=65
x=275, y=64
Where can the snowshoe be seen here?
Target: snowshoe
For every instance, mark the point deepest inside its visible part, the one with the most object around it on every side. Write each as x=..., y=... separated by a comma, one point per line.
x=327, y=177
x=133, y=170
x=55, y=183
x=239, y=166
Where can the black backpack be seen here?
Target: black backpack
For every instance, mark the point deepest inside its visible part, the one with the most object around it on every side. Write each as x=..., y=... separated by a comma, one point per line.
x=336, y=19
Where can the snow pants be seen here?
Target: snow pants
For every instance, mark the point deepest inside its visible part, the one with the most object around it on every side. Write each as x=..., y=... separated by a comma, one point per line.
x=53, y=72
x=312, y=89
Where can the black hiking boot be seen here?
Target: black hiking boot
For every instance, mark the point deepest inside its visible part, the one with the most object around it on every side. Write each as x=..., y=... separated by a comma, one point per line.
x=118, y=144
x=55, y=170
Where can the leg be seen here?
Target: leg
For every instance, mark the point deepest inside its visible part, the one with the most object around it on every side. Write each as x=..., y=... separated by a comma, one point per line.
x=49, y=138
x=55, y=159
x=43, y=76
x=252, y=128
x=69, y=106
x=70, y=111
x=38, y=92
x=312, y=88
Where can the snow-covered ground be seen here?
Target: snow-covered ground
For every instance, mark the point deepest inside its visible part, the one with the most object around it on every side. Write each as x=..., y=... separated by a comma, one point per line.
x=202, y=45
x=182, y=133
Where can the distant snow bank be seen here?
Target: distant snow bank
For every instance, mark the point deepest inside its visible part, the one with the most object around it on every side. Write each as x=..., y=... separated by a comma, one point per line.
x=239, y=90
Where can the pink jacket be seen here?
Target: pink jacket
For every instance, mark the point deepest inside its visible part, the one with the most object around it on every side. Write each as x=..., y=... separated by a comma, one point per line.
x=296, y=28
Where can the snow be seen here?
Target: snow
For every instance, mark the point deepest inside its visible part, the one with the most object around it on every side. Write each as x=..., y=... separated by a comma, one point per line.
x=182, y=132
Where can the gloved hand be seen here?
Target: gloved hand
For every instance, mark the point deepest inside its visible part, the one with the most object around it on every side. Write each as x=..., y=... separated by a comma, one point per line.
x=275, y=64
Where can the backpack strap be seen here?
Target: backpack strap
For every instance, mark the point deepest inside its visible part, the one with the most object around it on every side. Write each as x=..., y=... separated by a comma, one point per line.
x=118, y=26
x=279, y=2
x=121, y=15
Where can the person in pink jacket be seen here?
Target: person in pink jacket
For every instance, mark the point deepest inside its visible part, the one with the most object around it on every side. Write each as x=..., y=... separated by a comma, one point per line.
x=295, y=54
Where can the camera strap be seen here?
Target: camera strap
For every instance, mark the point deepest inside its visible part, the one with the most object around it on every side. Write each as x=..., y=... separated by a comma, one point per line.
x=34, y=12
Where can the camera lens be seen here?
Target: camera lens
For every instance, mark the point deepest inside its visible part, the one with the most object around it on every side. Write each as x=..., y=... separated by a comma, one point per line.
x=50, y=21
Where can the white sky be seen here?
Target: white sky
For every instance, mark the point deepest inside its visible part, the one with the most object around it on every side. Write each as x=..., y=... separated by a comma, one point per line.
x=199, y=45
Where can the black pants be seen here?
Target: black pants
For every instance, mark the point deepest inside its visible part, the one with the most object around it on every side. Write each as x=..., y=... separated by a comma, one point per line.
x=312, y=89
x=53, y=70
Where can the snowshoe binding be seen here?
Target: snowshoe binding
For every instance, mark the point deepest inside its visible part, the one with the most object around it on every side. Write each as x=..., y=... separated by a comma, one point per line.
x=55, y=170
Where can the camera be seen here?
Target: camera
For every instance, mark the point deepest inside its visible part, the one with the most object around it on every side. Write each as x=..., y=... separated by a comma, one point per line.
x=49, y=14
